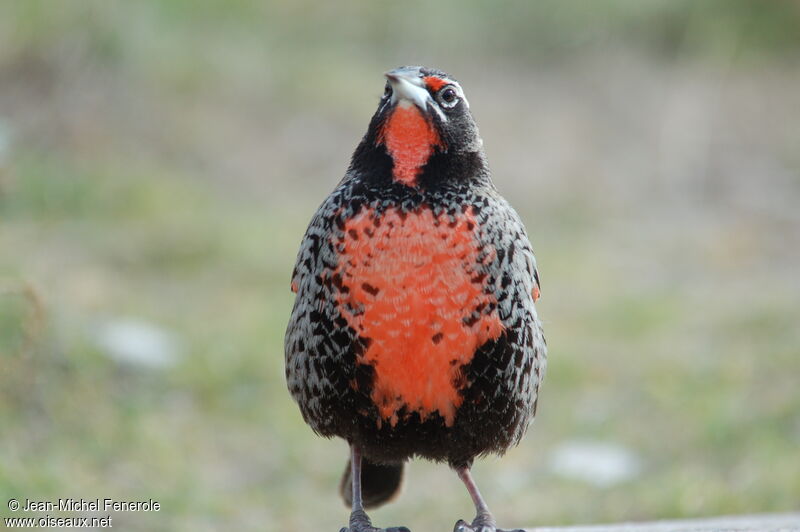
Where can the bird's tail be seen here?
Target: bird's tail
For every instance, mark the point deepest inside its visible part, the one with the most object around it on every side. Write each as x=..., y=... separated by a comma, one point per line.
x=380, y=483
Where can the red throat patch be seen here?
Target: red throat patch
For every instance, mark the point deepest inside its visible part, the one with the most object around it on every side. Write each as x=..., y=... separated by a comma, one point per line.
x=411, y=282
x=409, y=138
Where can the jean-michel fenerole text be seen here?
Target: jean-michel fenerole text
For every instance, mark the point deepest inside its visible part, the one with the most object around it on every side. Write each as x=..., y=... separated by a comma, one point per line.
x=91, y=505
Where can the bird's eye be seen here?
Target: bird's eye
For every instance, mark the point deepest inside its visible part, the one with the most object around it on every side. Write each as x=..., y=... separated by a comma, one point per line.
x=387, y=91
x=448, y=97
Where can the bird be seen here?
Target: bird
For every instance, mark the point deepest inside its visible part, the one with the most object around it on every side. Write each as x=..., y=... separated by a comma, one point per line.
x=413, y=332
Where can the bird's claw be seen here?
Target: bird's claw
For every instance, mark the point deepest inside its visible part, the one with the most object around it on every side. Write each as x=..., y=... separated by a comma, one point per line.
x=374, y=529
x=463, y=526
x=360, y=522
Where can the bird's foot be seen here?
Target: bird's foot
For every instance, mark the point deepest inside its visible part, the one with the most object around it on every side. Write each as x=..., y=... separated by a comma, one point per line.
x=360, y=522
x=482, y=523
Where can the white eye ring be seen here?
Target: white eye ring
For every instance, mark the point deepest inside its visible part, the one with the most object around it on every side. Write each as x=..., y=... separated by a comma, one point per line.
x=448, y=97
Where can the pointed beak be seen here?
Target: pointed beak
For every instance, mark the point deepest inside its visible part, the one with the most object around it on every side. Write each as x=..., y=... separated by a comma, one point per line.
x=408, y=88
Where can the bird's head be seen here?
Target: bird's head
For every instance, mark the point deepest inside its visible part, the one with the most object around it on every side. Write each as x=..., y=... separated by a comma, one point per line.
x=422, y=121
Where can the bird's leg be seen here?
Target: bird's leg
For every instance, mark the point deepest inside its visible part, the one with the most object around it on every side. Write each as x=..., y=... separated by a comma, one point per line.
x=359, y=520
x=484, y=521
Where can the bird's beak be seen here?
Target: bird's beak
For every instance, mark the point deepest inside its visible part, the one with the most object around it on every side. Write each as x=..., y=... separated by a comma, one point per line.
x=408, y=88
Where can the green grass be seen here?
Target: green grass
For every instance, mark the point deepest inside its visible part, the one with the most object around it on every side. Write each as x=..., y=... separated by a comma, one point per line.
x=216, y=439
x=149, y=176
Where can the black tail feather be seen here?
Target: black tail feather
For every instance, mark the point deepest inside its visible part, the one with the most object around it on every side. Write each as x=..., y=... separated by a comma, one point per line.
x=380, y=483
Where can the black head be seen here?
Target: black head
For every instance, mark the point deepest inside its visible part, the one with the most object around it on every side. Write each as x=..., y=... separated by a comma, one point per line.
x=423, y=128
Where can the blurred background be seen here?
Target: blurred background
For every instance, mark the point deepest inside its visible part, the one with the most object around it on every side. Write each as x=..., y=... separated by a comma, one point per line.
x=159, y=162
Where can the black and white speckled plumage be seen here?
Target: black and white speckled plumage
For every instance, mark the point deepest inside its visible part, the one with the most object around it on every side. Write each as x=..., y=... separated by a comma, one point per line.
x=325, y=370
x=502, y=380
